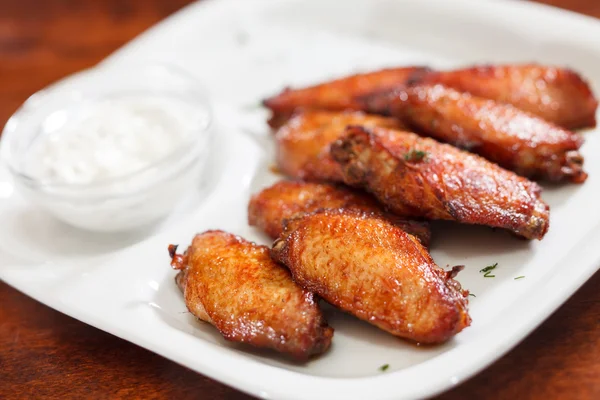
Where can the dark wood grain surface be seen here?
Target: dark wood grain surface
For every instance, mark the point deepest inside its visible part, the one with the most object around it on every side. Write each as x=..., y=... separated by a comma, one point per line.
x=45, y=354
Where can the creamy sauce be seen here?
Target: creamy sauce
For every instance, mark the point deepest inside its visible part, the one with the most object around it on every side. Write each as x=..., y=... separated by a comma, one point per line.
x=110, y=138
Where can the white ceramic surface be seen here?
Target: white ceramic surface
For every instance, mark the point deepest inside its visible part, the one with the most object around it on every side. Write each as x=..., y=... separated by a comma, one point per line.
x=245, y=50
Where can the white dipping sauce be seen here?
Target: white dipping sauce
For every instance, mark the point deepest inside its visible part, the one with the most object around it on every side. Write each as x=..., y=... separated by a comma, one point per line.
x=109, y=138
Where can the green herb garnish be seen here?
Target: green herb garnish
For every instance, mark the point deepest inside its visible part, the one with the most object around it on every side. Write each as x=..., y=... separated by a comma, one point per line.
x=415, y=155
x=252, y=107
x=520, y=277
x=486, y=271
x=471, y=294
x=384, y=367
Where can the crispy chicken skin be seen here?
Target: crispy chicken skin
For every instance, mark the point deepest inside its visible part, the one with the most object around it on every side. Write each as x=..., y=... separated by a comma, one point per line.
x=558, y=95
x=287, y=199
x=302, y=144
x=514, y=139
x=236, y=286
x=367, y=266
x=340, y=94
x=418, y=176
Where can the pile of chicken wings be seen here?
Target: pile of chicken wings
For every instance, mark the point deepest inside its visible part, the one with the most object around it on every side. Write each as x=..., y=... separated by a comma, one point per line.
x=371, y=159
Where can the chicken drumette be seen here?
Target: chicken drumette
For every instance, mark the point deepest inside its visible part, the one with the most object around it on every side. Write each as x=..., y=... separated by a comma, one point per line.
x=502, y=133
x=412, y=175
x=558, y=95
x=235, y=285
x=302, y=143
x=287, y=199
x=368, y=266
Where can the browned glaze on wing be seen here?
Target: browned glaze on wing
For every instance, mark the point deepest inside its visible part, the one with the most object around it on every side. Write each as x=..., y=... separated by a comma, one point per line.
x=419, y=176
x=287, y=199
x=339, y=94
x=558, y=95
x=501, y=133
x=302, y=144
x=366, y=265
x=236, y=286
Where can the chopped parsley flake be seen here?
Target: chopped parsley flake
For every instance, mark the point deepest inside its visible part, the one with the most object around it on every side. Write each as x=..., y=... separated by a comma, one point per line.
x=415, y=155
x=520, y=277
x=384, y=367
x=471, y=294
x=486, y=271
x=252, y=107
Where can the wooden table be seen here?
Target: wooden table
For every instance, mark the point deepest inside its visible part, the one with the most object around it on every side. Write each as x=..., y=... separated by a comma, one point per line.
x=45, y=354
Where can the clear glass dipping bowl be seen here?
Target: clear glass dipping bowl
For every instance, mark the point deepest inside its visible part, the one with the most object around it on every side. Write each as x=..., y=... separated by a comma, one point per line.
x=125, y=202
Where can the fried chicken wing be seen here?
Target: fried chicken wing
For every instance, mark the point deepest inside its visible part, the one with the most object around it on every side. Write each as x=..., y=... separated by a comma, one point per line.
x=418, y=176
x=339, y=94
x=558, y=95
x=302, y=144
x=235, y=285
x=367, y=266
x=287, y=199
x=516, y=140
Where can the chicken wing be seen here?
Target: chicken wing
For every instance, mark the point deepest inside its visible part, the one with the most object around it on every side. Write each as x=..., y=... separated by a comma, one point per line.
x=286, y=199
x=302, y=144
x=339, y=94
x=418, y=176
x=236, y=286
x=558, y=95
x=366, y=265
x=516, y=140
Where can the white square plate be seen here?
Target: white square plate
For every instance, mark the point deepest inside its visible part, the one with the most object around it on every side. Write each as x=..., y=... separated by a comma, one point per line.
x=245, y=50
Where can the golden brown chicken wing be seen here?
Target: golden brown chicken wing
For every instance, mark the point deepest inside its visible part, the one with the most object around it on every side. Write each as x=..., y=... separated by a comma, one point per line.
x=286, y=199
x=419, y=176
x=501, y=133
x=302, y=144
x=236, y=286
x=366, y=265
x=339, y=94
x=558, y=95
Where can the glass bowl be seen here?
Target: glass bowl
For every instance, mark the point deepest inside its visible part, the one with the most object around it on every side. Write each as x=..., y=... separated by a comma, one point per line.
x=122, y=202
